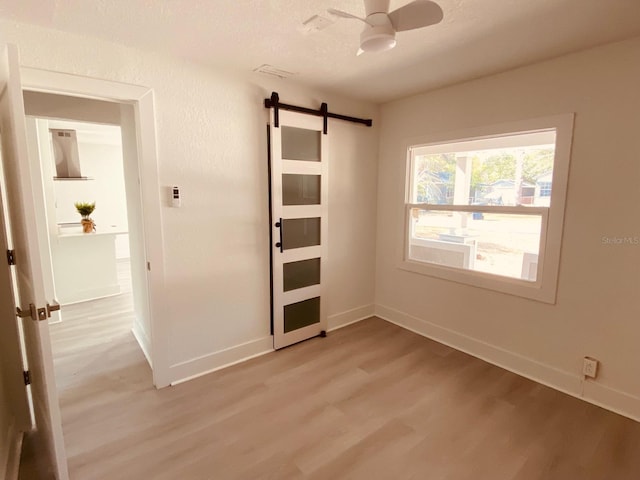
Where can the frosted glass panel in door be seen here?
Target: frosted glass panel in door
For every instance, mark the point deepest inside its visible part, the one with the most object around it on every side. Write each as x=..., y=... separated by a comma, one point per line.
x=300, y=189
x=301, y=314
x=301, y=274
x=300, y=144
x=300, y=232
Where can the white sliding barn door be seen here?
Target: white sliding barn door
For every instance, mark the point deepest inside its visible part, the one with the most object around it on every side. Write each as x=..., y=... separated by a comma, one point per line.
x=299, y=227
x=22, y=211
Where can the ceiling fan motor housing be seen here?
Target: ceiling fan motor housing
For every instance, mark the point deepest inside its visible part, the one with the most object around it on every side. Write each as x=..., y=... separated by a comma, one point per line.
x=379, y=35
x=376, y=6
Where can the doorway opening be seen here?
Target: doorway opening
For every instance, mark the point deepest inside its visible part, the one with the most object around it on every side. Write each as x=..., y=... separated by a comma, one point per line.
x=86, y=152
x=90, y=272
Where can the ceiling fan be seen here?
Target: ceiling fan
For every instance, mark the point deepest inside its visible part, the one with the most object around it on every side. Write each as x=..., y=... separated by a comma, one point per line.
x=380, y=29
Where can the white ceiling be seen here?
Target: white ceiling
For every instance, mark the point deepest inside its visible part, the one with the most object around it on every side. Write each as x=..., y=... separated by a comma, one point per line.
x=476, y=38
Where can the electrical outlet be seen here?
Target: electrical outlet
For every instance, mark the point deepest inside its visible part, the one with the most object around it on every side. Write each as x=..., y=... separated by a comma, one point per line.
x=590, y=367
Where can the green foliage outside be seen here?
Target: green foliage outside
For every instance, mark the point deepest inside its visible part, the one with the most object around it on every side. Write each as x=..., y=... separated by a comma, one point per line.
x=435, y=174
x=502, y=166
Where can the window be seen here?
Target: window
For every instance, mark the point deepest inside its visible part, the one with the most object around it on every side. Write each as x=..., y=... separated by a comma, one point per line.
x=480, y=209
x=545, y=189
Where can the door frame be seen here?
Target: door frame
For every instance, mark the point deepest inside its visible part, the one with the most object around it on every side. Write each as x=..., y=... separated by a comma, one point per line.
x=142, y=100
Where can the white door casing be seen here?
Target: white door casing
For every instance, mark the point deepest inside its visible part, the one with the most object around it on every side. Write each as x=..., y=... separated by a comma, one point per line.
x=42, y=167
x=137, y=111
x=282, y=214
x=30, y=293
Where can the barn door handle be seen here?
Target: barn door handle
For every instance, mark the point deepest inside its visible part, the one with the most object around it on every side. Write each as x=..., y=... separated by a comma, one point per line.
x=279, y=244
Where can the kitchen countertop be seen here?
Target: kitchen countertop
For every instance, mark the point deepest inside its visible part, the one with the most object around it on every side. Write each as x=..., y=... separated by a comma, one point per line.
x=66, y=232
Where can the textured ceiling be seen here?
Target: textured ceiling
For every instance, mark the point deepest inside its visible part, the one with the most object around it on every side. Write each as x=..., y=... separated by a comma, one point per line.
x=476, y=38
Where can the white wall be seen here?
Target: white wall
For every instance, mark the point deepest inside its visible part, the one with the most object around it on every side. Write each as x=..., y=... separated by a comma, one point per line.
x=598, y=306
x=211, y=129
x=45, y=105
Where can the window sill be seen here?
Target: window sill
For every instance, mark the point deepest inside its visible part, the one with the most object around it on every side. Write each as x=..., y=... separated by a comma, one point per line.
x=510, y=286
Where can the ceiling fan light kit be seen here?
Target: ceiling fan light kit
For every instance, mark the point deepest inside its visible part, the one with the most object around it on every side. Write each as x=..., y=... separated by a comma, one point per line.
x=377, y=38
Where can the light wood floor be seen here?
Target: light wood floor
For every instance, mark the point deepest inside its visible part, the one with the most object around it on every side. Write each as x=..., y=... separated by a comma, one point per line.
x=370, y=401
x=93, y=337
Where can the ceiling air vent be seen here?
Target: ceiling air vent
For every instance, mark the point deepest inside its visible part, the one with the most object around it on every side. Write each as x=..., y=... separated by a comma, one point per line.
x=316, y=23
x=273, y=71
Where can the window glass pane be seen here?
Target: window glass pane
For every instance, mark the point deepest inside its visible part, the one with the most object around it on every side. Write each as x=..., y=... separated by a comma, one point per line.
x=301, y=314
x=300, y=232
x=497, y=243
x=433, y=176
x=300, y=144
x=300, y=189
x=301, y=274
x=512, y=170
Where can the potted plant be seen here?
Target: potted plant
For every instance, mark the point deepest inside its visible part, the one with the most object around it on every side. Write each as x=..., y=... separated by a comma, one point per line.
x=86, y=209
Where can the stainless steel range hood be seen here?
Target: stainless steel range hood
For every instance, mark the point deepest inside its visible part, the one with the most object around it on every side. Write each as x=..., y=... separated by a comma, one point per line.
x=65, y=152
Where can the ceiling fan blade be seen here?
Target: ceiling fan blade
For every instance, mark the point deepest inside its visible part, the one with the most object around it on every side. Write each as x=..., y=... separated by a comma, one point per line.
x=341, y=14
x=417, y=14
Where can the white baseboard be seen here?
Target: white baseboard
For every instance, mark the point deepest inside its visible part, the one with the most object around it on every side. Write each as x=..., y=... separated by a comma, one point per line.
x=10, y=465
x=143, y=340
x=611, y=399
x=567, y=382
x=197, y=367
x=88, y=295
x=354, y=315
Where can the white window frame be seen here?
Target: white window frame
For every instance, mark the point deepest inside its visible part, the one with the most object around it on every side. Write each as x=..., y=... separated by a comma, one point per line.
x=544, y=289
